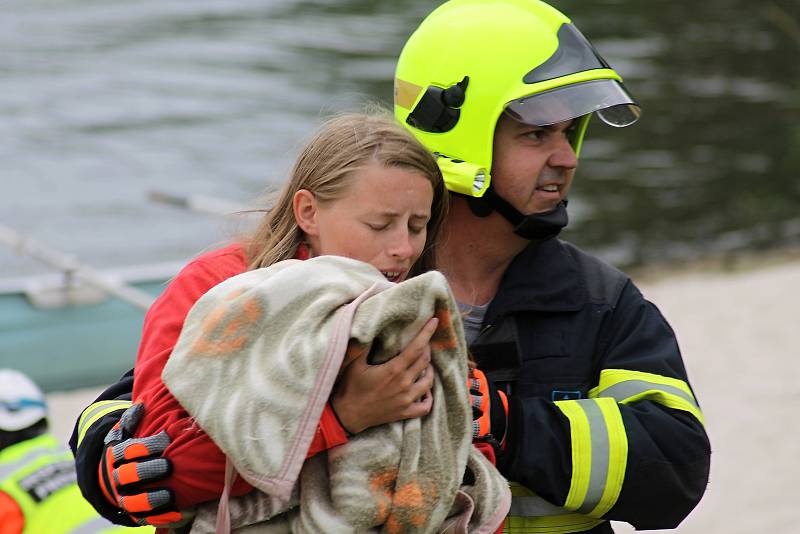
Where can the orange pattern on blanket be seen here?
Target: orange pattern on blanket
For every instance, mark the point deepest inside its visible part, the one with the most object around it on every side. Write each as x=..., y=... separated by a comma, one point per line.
x=444, y=338
x=229, y=327
x=403, y=508
x=382, y=486
x=410, y=506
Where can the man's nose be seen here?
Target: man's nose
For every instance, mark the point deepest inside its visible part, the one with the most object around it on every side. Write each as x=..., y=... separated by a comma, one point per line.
x=563, y=155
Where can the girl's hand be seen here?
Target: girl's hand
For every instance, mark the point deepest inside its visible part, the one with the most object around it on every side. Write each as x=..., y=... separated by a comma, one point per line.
x=370, y=395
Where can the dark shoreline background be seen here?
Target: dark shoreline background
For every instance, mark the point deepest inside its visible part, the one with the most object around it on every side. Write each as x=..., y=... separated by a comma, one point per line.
x=104, y=101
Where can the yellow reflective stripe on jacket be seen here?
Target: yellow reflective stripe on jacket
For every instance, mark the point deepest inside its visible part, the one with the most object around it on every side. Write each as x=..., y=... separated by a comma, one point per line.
x=97, y=410
x=599, y=454
x=599, y=458
x=630, y=386
x=530, y=513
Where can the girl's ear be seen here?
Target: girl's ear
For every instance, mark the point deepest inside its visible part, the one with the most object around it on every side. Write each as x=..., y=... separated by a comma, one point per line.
x=304, y=205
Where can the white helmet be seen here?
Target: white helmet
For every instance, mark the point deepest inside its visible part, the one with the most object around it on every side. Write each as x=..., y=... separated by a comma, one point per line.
x=22, y=403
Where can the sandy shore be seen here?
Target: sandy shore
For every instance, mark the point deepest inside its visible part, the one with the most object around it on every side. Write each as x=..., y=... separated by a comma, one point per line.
x=742, y=351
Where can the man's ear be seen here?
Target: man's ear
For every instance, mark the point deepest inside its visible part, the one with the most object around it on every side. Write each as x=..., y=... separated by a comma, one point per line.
x=304, y=205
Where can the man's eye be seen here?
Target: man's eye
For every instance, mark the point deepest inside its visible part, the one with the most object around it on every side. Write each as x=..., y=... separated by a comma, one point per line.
x=536, y=135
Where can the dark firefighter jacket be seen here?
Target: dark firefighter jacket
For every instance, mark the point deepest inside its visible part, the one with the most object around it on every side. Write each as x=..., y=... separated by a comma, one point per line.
x=603, y=422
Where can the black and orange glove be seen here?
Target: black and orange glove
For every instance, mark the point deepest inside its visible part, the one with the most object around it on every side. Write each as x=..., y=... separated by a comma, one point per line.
x=489, y=410
x=129, y=462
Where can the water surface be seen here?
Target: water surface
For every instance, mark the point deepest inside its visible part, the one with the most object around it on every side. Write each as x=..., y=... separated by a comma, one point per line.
x=102, y=101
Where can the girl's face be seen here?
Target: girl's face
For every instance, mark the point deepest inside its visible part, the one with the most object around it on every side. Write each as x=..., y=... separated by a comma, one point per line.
x=381, y=219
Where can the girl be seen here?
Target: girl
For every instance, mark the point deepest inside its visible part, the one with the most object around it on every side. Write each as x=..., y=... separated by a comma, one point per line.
x=364, y=188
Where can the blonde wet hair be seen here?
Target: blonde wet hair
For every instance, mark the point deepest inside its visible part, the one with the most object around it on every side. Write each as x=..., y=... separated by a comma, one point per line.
x=325, y=167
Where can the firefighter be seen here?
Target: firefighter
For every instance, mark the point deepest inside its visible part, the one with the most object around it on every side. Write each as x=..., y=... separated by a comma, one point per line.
x=38, y=490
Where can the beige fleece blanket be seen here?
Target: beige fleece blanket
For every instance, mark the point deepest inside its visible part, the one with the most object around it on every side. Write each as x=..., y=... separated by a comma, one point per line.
x=255, y=365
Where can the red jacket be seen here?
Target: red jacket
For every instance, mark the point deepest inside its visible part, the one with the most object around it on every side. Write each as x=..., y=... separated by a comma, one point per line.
x=199, y=465
x=12, y=521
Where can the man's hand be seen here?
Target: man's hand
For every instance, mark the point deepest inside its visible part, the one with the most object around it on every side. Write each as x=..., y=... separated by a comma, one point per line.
x=370, y=395
x=489, y=410
x=129, y=462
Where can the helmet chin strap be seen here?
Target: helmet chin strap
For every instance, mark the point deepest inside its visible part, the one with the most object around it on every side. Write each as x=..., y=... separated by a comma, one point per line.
x=535, y=226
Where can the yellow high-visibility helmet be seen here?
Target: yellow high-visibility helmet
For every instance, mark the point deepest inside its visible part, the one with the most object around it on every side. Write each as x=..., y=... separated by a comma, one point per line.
x=472, y=60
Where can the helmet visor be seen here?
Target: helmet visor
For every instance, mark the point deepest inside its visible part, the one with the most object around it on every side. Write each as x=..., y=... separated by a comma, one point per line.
x=608, y=98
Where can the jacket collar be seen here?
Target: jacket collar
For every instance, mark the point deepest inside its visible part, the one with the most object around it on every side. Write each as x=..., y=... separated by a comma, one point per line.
x=543, y=277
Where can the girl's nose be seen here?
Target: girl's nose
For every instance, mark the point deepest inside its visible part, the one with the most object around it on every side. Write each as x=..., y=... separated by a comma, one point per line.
x=401, y=246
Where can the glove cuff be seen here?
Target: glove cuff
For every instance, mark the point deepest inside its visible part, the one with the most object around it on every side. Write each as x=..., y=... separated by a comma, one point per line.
x=499, y=415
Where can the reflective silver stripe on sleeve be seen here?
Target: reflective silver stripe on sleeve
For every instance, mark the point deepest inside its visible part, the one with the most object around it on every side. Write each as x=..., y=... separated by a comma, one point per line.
x=600, y=451
x=629, y=388
x=533, y=506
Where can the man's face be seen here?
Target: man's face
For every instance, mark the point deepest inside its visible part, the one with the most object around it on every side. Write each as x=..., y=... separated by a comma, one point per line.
x=533, y=166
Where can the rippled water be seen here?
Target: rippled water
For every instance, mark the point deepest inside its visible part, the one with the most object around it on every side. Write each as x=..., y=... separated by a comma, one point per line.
x=102, y=101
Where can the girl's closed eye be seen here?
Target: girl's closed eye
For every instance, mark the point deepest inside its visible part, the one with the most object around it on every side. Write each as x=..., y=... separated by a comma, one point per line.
x=378, y=227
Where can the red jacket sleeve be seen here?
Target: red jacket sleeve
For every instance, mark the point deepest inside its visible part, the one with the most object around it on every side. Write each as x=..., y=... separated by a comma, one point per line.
x=198, y=464
x=11, y=519
x=329, y=433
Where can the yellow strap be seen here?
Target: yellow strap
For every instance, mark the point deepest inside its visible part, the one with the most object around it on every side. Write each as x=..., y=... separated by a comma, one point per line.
x=562, y=524
x=531, y=514
x=96, y=411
